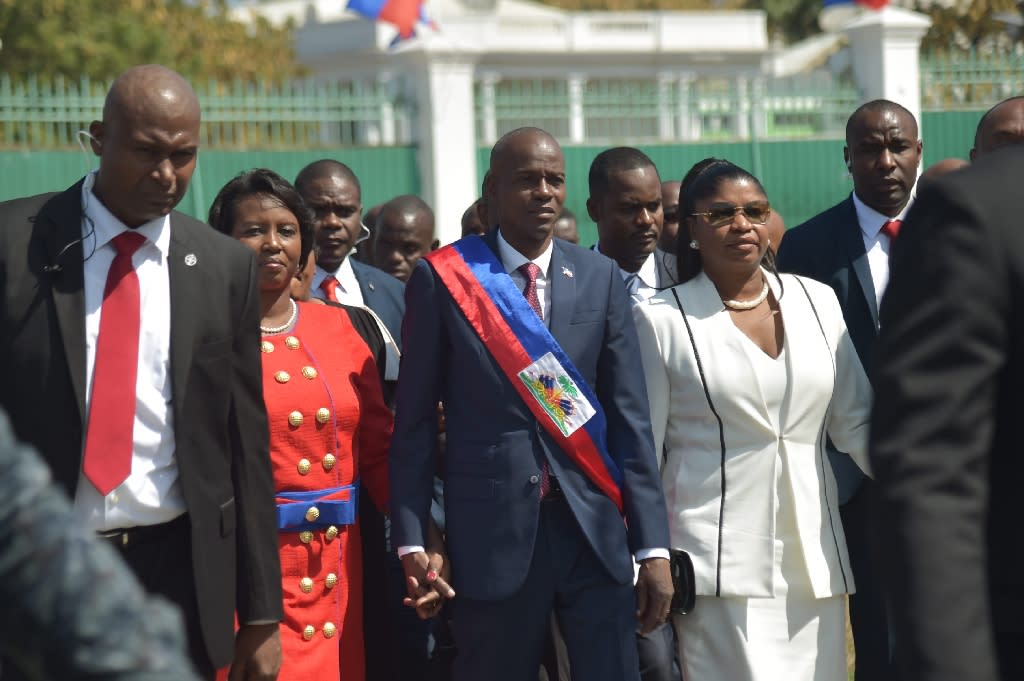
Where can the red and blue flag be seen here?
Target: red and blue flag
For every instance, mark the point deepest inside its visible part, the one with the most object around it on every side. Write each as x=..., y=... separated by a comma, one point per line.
x=403, y=14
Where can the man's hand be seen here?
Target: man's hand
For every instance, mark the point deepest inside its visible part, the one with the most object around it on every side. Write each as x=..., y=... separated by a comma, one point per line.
x=257, y=653
x=653, y=593
x=427, y=574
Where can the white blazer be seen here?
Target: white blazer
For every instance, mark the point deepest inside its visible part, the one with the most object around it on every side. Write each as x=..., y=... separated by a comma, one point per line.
x=719, y=470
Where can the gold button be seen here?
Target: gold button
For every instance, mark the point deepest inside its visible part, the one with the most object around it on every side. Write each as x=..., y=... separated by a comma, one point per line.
x=331, y=581
x=329, y=461
x=282, y=377
x=292, y=342
x=329, y=629
x=306, y=584
x=323, y=415
x=305, y=536
x=267, y=346
x=309, y=372
x=308, y=631
x=303, y=466
x=312, y=514
x=295, y=418
x=332, y=533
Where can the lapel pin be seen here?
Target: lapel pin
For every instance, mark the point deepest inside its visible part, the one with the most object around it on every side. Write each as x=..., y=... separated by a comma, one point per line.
x=370, y=286
x=191, y=259
x=567, y=272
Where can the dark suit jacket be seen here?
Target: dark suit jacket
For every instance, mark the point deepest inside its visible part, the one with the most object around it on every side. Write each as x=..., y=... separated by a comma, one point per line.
x=495, y=445
x=220, y=423
x=383, y=294
x=829, y=248
x=946, y=439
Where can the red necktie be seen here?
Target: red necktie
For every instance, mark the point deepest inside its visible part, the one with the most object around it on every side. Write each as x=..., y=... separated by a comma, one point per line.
x=892, y=228
x=531, y=272
x=330, y=287
x=109, y=437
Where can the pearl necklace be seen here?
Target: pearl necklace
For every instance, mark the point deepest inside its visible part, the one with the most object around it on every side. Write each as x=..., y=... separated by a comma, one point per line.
x=748, y=304
x=271, y=330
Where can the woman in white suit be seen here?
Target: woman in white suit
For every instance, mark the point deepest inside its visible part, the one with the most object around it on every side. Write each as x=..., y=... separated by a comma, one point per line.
x=748, y=372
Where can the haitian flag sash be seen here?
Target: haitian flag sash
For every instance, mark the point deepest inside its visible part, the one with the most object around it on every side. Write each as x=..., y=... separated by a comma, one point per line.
x=531, y=358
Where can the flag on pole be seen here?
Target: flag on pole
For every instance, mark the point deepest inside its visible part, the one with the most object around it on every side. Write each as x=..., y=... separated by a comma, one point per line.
x=403, y=14
x=837, y=13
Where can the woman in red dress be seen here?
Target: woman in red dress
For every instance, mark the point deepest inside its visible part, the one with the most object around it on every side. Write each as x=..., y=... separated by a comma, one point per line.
x=329, y=429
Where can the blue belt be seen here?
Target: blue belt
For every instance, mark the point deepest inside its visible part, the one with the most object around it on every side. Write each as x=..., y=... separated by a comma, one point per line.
x=291, y=517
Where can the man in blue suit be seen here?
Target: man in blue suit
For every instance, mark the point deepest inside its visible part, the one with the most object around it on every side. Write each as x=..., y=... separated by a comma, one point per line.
x=529, y=528
x=847, y=247
x=332, y=190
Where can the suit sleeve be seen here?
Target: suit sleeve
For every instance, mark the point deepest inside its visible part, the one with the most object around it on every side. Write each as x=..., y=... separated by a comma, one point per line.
x=656, y=376
x=411, y=459
x=850, y=413
x=944, y=338
x=258, y=581
x=623, y=395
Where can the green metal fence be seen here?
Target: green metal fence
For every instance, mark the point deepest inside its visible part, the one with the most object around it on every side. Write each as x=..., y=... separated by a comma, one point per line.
x=297, y=115
x=669, y=108
x=384, y=172
x=969, y=81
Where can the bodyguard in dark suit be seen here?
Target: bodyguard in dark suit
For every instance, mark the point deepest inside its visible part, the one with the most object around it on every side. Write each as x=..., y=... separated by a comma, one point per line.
x=847, y=247
x=516, y=557
x=72, y=609
x=945, y=431
x=192, y=511
x=332, y=190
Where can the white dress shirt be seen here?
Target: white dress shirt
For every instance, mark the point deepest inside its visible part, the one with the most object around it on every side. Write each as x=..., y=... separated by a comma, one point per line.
x=152, y=492
x=646, y=278
x=349, y=292
x=876, y=244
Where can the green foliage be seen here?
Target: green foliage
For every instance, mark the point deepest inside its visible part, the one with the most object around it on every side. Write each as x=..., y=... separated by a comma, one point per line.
x=76, y=38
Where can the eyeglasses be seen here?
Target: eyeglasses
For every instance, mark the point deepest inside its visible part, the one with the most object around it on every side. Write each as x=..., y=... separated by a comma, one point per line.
x=723, y=214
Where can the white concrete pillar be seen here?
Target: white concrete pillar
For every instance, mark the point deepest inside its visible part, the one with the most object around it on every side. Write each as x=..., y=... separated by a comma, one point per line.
x=884, y=46
x=447, y=136
x=666, y=113
x=741, y=113
x=488, y=116
x=577, y=124
x=688, y=112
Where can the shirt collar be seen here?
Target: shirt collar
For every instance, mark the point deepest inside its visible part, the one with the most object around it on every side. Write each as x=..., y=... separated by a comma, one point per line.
x=344, y=273
x=105, y=226
x=871, y=220
x=513, y=259
x=648, y=272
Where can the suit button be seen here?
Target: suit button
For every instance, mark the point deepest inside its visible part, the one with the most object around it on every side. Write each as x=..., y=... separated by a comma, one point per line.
x=292, y=342
x=266, y=346
x=329, y=629
x=331, y=581
x=323, y=415
x=282, y=377
x=308, y=631
x=329, y=461
x=312, y=514
x=306, y=584
x=331, y=533
x=303, y=466
x=305, y=536
x=295, y=418
x=534, y=479
x=309, y=372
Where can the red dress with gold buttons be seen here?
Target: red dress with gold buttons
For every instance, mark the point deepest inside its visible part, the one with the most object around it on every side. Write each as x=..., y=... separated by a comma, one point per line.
x=329, y=427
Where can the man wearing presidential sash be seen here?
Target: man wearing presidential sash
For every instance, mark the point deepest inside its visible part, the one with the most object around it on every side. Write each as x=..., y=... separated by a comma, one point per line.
x=551, y=479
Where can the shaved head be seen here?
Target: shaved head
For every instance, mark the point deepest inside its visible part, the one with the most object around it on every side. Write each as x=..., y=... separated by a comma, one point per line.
x=325, y=168
x=1001, y=125
x=148, y=142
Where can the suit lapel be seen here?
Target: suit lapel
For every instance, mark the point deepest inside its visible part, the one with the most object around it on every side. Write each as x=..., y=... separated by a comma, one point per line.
x=61, y=224
x=853, y=244
x=186, y=294
x=562, y=287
